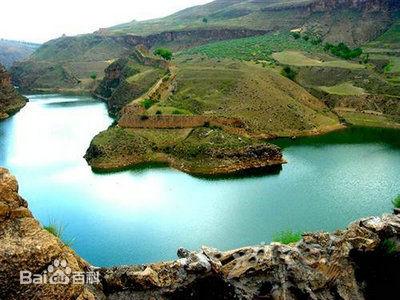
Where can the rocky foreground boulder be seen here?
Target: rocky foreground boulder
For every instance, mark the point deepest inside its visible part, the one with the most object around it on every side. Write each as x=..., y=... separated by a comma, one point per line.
x=360, y=262
x=10, y=100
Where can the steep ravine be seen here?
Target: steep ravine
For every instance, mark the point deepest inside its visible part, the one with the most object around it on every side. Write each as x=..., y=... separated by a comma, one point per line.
x=360, y=262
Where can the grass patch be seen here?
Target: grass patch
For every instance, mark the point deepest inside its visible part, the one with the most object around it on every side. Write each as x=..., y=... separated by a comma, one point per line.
x=296, y=58
x=147, y=103
x=58, y=230
x=287, y=237
x=369, y=120
x=160, y=109
x=177, y=112
x=344, y=89
x=396, y=202
x=389, y=246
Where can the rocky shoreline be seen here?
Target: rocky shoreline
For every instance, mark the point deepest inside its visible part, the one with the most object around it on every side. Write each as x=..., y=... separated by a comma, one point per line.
x=215, y=163
x=10, y=100
x=199, y=152
x=360, y=262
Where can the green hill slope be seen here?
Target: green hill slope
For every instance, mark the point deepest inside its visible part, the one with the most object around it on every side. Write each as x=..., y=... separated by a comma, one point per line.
x=67, y=63
x=209, y=117
x=352, y=21
x=12, y=51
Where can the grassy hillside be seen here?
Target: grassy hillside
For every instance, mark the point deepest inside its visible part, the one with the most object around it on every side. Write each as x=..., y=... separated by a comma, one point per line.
x=128, y=78
x=209, y=117
x=349, y=21
x=264, y=100
x=81, y=48
x=68, y=63
x=355, y=84
x=12, y=51
x=384, y=52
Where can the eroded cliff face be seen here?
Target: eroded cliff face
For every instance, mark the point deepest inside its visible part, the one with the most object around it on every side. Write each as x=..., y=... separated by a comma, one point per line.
x=10, y=100
x=26, y=246
x=360, y=262
x=354, y=22
x=347, y=264
x=128, y=78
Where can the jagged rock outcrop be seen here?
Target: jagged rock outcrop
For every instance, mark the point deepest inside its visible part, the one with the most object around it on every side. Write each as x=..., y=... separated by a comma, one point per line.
x=321, y=266
x=203, y=151
x=26, y=246
x=10, y=100
x=360, y=262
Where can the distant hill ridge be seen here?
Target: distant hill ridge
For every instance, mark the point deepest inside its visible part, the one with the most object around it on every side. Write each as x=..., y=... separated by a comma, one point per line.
x=68, y=62
x=276, y=15
x=12, y=51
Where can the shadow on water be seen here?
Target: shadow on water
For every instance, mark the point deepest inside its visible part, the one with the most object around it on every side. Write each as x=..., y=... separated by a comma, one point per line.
x=72, y=103
x=142, y=168
x=244, y=174
x=351, y=135
x=139, y=169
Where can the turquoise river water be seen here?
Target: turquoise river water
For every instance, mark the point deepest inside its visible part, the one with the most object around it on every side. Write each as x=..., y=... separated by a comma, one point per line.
x=145, y=215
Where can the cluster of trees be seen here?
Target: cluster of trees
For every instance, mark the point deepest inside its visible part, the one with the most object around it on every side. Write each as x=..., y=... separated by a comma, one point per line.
x=343, y=51
x=340, y=50
x=315, y=40
x=164, y=53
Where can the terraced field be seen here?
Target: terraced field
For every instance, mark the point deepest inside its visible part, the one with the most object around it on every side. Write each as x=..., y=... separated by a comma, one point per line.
x=296, y=58
x=344, y=89
x=254, y=48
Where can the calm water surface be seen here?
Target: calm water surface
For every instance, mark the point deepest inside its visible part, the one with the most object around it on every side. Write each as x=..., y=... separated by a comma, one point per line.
x=143, y=216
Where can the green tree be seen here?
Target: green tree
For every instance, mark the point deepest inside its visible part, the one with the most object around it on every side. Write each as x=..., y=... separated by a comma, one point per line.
x=296, y=35
x=164, y=53
x=205, y=20
x=343, y=51
x=288, y=73
x=93, y=75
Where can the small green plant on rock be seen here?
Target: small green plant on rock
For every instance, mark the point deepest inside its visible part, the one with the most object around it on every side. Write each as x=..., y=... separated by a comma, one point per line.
x=396, y=202
x=389, y=246
x=58, y=229
x=177, y=112
x=287, y=237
